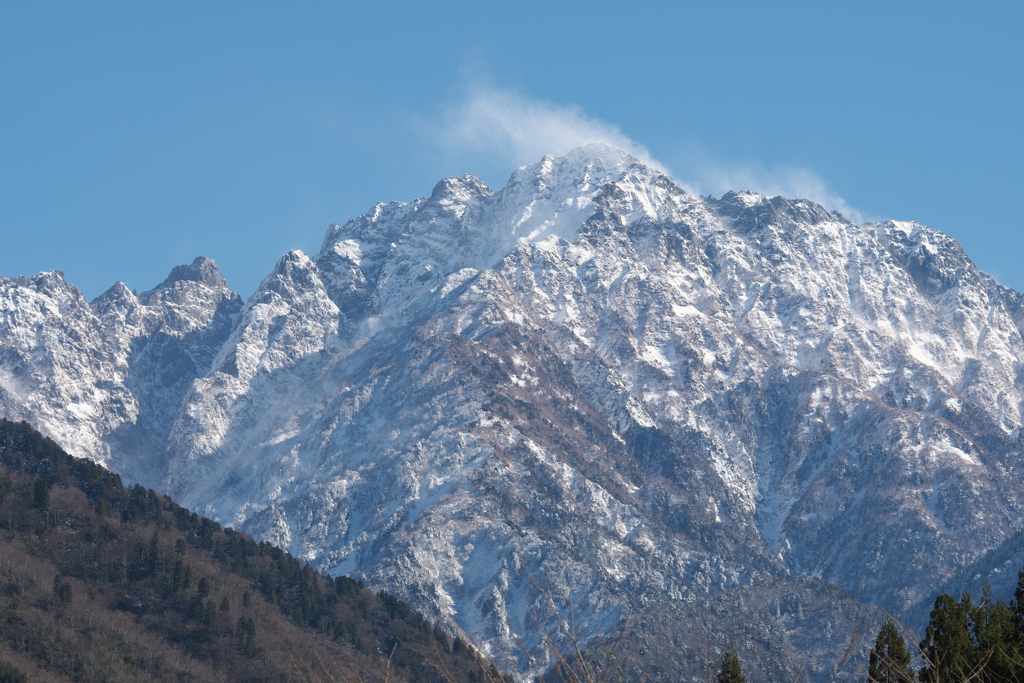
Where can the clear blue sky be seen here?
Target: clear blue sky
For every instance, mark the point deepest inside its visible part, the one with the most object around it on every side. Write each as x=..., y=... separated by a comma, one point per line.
x=135, y=136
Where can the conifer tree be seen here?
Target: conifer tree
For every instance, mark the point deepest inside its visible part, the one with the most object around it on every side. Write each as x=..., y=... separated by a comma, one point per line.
x=997, y=628
x=1017, y=604
x=730, y=671
x=947, y=646
x=889, y=661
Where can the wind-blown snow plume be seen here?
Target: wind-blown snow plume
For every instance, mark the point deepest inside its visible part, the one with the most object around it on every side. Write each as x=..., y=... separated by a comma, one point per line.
x=523, y=129
x=493, y=120
x=797, y=183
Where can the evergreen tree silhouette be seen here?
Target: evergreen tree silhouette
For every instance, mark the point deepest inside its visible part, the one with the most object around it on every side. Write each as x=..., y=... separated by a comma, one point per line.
x=889, y=661
x=947, y=646
x=730, y=671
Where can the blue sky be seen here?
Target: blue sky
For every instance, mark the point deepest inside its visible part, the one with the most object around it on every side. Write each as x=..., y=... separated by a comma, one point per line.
x=135, y=136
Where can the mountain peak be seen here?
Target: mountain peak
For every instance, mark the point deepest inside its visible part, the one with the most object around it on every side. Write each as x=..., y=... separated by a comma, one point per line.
x=202, y=269
x=601, y=153
x=117, y=297
x=293, y=270
x=460, y=188
x=296, y=258
x=48, y=280
x=585, y=166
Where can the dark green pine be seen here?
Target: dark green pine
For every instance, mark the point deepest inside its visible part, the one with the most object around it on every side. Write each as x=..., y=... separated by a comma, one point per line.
x=947, y=646
x=730, y=671
x=889, y=661
x=997, y=635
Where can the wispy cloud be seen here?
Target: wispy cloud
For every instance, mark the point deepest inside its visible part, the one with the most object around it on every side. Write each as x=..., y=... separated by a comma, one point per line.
x=498, y=121
x=494, y=121
x=796, y=183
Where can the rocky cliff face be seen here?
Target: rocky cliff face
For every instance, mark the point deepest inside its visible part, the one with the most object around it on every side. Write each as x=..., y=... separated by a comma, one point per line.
x=105, y=379
x=650, y=404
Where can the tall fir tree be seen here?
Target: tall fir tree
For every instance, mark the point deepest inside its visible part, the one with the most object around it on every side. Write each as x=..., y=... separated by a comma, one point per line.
x=995, y=636
x=889, y=661
x=949, y=653
x=730, y=672
x=1017, y=605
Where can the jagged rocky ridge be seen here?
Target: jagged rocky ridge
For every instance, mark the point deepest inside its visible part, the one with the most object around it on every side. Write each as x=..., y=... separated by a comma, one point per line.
x=590, y=380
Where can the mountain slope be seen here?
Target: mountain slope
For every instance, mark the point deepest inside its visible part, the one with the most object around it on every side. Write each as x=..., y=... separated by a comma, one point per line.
x=593, y=382
x=103, y=583
x=105, y=379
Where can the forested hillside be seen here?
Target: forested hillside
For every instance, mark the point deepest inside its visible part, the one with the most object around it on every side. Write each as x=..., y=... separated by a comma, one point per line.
x=99, y=582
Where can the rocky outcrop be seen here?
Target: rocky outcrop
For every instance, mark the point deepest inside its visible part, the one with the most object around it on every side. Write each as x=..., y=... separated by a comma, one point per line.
x=646, y=403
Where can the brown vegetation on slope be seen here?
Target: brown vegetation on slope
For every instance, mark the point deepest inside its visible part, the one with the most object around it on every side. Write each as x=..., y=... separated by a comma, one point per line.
x=103, y=583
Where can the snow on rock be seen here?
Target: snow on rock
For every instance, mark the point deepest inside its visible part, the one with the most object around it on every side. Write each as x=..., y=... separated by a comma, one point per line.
x=589, y=381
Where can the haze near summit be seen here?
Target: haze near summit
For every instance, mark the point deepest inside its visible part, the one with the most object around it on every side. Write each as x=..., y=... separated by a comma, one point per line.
x=515, y=127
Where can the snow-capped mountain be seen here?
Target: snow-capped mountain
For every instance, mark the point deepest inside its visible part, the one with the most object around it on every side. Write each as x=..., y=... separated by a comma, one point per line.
x=106, y=378
x=659, y=407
